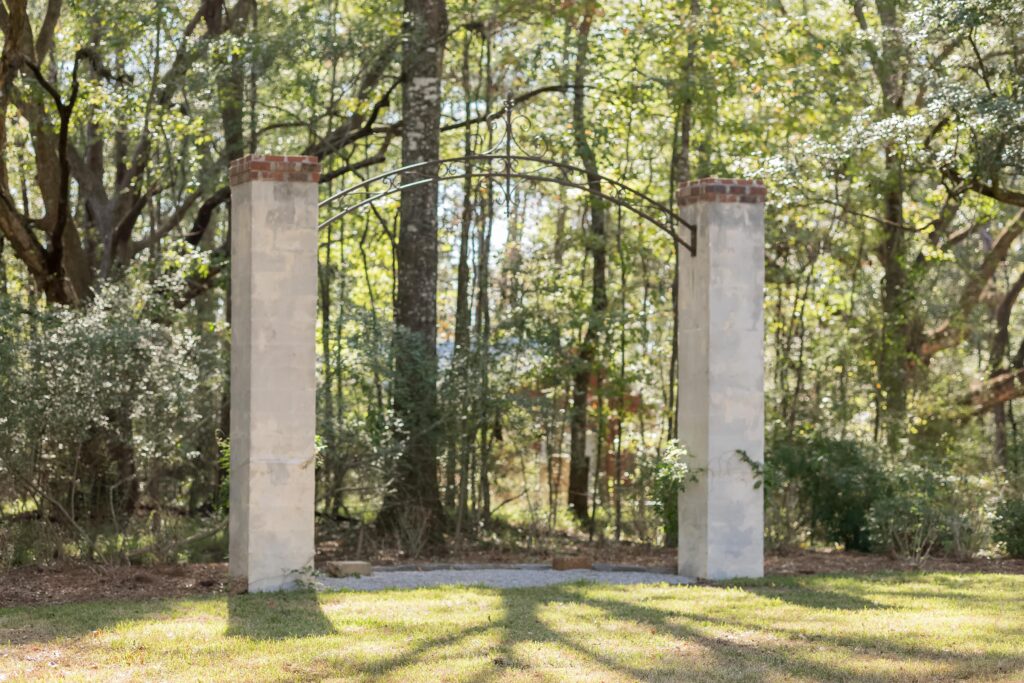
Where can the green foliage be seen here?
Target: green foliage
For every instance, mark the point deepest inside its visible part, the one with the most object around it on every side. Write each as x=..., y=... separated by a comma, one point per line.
x=840, y=491
x=1008, y=525
x=905, y=522
x=669, y=474
x=104, y=408
x=223, y=500
x=29, y=541
x=923, y=509
x=822, y=485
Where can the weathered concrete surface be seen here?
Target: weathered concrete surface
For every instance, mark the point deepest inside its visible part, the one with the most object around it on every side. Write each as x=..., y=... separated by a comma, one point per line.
x=273, y=369
x=721, y=380
x=339, y=568
x=566, y=562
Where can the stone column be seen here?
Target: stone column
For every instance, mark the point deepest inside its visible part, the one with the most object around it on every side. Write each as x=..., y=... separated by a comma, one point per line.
x=273, y=367
x=721, y=379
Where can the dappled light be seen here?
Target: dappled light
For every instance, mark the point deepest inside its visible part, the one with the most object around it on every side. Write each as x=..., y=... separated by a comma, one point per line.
x=924, y=627
x=526, y=340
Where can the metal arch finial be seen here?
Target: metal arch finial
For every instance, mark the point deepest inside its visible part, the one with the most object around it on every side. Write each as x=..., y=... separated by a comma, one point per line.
x=508, y=157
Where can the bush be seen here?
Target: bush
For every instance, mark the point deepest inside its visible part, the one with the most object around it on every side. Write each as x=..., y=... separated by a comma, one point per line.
x=905, y=523
x=924, y=510
x=965, y=524
x=1008, y=526
x=838, y=491
x=822, y=488
x=105, y=410
x=26, y=540
x=669, y=475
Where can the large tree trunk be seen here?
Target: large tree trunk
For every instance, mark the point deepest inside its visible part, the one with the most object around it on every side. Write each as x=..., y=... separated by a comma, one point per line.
x=578, y=464
x=680, y=173
x=997, y=356
x=894, y=353
x=900, y=324
x=414, y=498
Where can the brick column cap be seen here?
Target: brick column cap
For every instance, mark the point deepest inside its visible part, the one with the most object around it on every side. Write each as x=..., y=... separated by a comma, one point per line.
x=274, y=167
x=723, y=190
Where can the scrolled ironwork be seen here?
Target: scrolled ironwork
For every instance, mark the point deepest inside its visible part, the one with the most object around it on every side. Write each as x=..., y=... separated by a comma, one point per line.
x=507, y=160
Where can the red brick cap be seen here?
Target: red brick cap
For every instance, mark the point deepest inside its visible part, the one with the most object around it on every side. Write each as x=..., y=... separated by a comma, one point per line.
x=285, y=168
x=724, y=190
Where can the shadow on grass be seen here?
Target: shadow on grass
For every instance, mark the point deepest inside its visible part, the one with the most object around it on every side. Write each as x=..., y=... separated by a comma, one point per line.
x=277, y=616
x=714, y=642
x=29, y=624
x=670, y=634
x=261, y=616
x=819, y=598
x=754, y=647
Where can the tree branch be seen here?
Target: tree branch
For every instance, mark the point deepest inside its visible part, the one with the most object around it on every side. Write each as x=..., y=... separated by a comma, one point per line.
x=45, y=38
x=1002, y=386
x=167, y=226
x=205, y=215
x=55, y=252
x=1001, y=339
x=951, y=331
x=377, y=158
x=998, y=193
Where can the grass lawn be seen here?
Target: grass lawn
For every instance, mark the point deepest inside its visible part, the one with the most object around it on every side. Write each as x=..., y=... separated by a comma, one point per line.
x=909, y=626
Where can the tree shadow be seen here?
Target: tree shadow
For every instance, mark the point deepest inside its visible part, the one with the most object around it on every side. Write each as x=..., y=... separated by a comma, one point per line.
x=427, y=649
x=747, y=651
x=524, y=624
x=787, y=658
x=690, y=636
x=818, y=597
x=32, y=624
x=277, y=616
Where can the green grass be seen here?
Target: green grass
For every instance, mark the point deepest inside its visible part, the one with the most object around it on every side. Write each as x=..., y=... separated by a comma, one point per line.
x=922, y=627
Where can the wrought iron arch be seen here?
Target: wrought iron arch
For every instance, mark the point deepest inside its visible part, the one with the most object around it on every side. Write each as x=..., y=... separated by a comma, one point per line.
x=507, y=161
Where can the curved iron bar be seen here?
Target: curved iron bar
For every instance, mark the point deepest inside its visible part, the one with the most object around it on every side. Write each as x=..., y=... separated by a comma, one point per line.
x=392, y=180
x=473, y=158
x=666, y=227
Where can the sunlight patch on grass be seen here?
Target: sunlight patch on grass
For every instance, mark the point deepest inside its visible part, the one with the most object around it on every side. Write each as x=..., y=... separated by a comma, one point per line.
x=900, y=627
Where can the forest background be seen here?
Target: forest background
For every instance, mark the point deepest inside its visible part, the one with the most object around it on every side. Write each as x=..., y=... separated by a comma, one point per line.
x=504, y=372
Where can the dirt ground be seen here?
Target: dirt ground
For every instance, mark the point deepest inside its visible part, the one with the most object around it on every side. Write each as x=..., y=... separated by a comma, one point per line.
x=82, y=582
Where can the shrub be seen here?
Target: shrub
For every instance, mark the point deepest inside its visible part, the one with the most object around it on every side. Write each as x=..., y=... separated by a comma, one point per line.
x=963, y=506
x=1008, y=526
x=924, y=509
x=669, y=475
x=820, y=487
x=104, y=409
x=905, y=522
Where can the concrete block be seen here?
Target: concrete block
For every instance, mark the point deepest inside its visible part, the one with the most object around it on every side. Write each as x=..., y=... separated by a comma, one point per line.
x=563, y=562
x=341, y=568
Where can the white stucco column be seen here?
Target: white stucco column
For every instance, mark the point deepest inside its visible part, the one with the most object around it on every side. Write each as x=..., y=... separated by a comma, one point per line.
x=721, y=379
x=273, y=367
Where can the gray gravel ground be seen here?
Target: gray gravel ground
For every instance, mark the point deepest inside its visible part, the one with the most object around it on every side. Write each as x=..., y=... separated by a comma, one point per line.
x=515, y=577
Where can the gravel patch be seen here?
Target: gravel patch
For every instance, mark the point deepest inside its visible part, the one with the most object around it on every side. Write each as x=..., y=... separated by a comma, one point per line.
x=523, y=576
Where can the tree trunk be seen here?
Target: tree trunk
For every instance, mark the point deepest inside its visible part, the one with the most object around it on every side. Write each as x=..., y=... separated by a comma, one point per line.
x=459, y=443
x=578, y=464
x=414, y=498
x=897, y=348
x=3, y=270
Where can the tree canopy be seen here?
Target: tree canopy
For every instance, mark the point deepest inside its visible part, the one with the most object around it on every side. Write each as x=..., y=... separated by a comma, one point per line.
x=510, y=349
